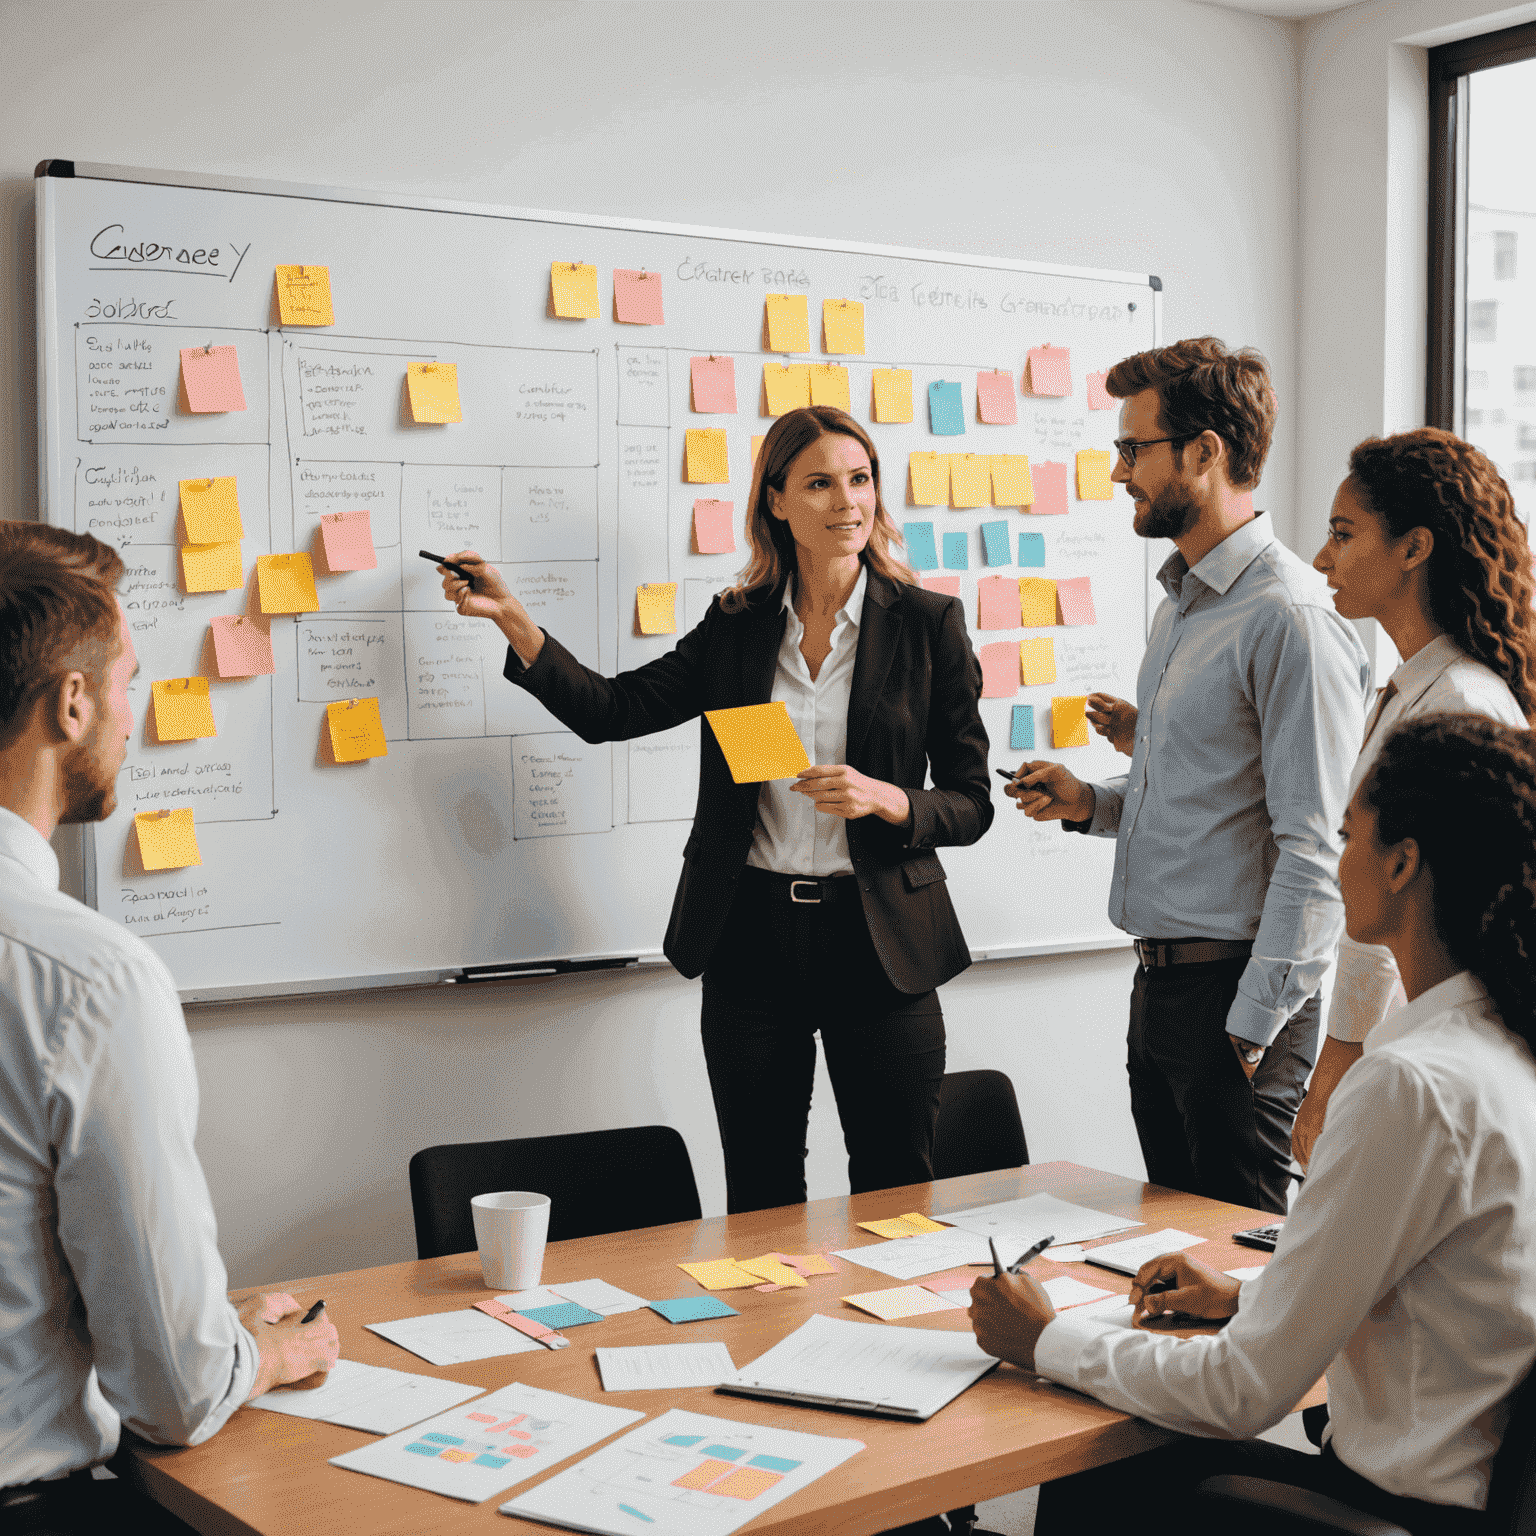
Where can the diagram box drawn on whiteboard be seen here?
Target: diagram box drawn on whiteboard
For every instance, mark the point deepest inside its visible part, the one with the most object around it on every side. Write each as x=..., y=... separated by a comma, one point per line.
x=562, y=787
x=354, y=656
x=446, y=507
x=548, y=514
x=127, y=495
x=664, y=774
x=642, y=380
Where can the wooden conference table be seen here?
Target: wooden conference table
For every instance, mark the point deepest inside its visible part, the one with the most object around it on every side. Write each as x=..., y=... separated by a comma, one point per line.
x=266, y=1472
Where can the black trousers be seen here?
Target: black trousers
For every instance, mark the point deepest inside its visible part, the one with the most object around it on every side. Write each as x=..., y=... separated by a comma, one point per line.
x=82, y=1506
x=780, y=974
x=1203, y=1126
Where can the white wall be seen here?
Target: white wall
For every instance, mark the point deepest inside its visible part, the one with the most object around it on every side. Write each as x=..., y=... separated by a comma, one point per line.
x=1158, y=136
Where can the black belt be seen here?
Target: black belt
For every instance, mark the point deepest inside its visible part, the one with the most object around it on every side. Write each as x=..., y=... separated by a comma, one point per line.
x=800, y=890
x=1156, y=953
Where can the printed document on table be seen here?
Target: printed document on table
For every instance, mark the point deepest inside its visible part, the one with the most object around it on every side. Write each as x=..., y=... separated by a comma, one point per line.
x=474, y=1452
x=683, y=1474
x=1027, y=1221
x=454, y=1338
x=642, y=1367
x=909, y=1258
x=598, y=1296
x=370, y=1397
x=1129, y=1256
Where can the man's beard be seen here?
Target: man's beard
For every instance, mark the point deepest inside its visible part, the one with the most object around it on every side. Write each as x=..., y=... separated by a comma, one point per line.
x=90, y=787
x=1168, y=514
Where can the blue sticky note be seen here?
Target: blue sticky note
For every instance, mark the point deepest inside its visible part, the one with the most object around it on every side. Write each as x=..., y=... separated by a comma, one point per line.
x=955, y=558
x=566, y=1315
x=922, y=554
x=1022, y=737
x=1031, y=549
x=946, y=409
x=994, y=538
x=692, y=1309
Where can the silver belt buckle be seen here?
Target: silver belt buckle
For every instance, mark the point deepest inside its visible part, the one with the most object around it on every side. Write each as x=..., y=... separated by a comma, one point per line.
x=805, y=901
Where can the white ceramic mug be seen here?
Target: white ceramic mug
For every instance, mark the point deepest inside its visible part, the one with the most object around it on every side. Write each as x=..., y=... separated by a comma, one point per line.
x=510, y=1229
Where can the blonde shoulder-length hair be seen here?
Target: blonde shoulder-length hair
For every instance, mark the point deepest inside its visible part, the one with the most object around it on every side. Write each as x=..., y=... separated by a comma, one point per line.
x=769, y=541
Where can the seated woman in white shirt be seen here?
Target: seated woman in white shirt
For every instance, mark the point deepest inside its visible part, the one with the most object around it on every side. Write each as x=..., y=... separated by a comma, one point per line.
x=1407, y=1266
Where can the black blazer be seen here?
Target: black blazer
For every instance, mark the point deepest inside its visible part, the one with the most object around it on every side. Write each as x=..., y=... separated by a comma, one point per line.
x=912, y=711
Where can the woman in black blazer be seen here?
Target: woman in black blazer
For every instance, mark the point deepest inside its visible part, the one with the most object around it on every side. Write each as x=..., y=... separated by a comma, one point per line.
x=813, y=904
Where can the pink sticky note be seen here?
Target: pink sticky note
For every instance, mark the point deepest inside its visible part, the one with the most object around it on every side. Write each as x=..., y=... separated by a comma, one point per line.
x=637, y=297
x=1075, y=599
x=999, y=602
x=211, y=378
x=348, y=538
x=1050, y=371
x=1050, y=490
x=948, y=585
x=1099, y=398
x=1000, y=669
x=713, y=531
x=714, y=384
x=953, y=1280
x=994, y=398
x=242, y=645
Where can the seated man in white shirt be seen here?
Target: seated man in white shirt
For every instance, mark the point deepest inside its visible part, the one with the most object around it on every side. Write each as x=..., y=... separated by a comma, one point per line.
x=1407, y=1266
x=112, y=1291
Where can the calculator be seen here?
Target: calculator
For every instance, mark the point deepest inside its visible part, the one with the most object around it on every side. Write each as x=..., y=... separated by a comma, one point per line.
x=1259, y=1237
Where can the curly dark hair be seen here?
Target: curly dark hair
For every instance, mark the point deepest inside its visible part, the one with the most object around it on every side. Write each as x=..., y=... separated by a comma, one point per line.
x=1463, y=787
x=1480, y=584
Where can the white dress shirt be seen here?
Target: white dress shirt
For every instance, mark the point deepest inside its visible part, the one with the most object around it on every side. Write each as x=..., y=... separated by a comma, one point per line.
x=792, y=836
x=112, y=1292
x=1407, y=1269
x=1439, y=679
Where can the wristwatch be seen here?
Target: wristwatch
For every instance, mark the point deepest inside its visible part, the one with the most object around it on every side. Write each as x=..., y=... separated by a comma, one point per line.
x=1252, y=1054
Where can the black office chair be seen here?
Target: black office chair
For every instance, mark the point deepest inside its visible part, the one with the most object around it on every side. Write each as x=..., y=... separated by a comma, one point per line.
x=979, y=1126
x=597, y=1181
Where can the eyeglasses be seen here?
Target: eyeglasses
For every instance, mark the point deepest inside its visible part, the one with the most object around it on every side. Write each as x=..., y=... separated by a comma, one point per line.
x=1127, y=447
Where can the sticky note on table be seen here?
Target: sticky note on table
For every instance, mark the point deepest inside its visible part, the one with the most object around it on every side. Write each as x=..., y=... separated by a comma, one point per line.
x=946, y=409
x=722, y=1274
x=994, y=541
x=1093, y=482
x=948, y=585
x=970, y=480
x=212, y=567
x=1011, y=484
x=808, y=1263
x=573, y=287
x=183, y=710
x=656, y=607
x=1069, y=721
x=433, y=390
x=787, y=386
x=999, y=670
x=1099, y=398
x=1074, y=595
x=768, y=1267
x=1050, y=490
x=1050, y=370
x=637, y=297
x=357, y=732
x=1037, y=661
x=1031, y=549
x=900, y=1301
x=842, y=326
x=714, y=384
x=995, y=403
x=210, y=379
x=893, y=394
x=1021, y=733
x=211, y=510
x=692, y=1309
x=998, y=602
x=789, y=323
x=955, y=557
x=713, y=527
x=758, y=741
x=242, y=645
x=304, y=296
x=286, y=583
x=829, y=386
x=348, y=541
x=565, y=1314
x=930, y=479
x=922, y=552
x=1037, y=602
x=708, y=462
x=912, y=1224
x=167, y=839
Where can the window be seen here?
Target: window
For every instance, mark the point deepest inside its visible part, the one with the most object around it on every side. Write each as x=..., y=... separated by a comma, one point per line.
x=1505, y=244
x=1482, y=322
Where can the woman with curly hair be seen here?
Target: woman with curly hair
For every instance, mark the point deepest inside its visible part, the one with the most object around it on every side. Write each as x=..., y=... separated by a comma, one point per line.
x=1424, y=539
x=1407, y=1266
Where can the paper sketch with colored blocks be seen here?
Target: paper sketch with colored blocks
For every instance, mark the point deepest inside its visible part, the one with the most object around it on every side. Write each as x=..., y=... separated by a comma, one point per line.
x=712, y=381
x=286, y=583
x=789, y=322
x=242, y=645
x=183, y=709
x=1037, y=602
x=167, y=839
x=433, y=391
x=356, y=729
x=970, y=480
x=1093, y=468
x=210, y=380
x=829, y=386
x=573, y=290
x=946, y=408
x=211, y=510
x=714, y=530
x=1050, y=483
x=1069, y=721
x=637, y=297
x=212, y=567
x=929, y=476
x=304, y=296
x=656, y=607
x=842, y=327
x=1037, y=658
x=995, y=402
x=999, y=669
x=707, y=456
x=758, y=741
x=786, y=387
x=1011, y=483
x=1049, y=370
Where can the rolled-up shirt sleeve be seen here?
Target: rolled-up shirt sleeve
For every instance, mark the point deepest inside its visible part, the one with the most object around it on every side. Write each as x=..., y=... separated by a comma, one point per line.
x=1364, y=986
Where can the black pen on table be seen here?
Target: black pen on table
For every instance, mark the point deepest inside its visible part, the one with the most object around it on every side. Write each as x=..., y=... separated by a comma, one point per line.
x=463, y=572
x=313, y=1312
x=1023, y=1258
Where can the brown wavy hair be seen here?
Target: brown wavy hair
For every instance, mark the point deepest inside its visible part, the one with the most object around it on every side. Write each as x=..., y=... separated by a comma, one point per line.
x=771, y=545
x=1480, y=583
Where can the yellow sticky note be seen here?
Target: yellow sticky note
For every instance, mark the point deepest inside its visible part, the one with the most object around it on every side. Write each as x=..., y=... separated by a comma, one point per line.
x=304, y=296
x=720, y=1274
x=842, y=326
x=1069, y=722
x=812, y=1263
x=356, y=730
x=829, y=386
x=434, y=392
x=758, y=741
x=1011, y=483
x=183, y=710
x=211, y=510
x=656, y=605
x=930, y=479
x=970, y=480
x=913, y=1224
x=788, y=387
x=212, y=567
x=708, y=461
x=789, y=322
x=286, y=583
x=1093, y=482
x=167, y=839
x=899, y=1301
x=573, y=285
x=773, y=1270
x=1037, y=660
x=893, y=394
x=1037, y=602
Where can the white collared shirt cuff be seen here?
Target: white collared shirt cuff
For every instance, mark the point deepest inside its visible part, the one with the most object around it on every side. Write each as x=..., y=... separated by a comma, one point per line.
x=1251, y=1021
x=1059, y=1349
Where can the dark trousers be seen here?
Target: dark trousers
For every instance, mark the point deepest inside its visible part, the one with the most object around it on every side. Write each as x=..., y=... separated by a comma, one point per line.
x=1203, y=1126
x=780, y=974
x=81, y=1506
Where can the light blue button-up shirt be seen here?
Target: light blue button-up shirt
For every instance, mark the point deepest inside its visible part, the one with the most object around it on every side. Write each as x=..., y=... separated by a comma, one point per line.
x=1251, y=701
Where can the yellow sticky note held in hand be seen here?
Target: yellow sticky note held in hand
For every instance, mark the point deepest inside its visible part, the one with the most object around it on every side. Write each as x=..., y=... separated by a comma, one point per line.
x=1037, y=659
x=357, y=732
x=758, y=741
x=787, y=386
x=211, y=510
x=1037, y=602
x=656, y=607
x=789, y=322
x=970, y=480
x=573, y=287
x=183, y=710
x=286, y=583
x=1069, y=721
x=212, y=567
x=842, y=326
x=304, y=296
x=829, y=386
x=434, y=392
x=1093, y=482
x=930, y=479
x=1011, y=483
x=708, y=460
x=167, y=839
x=893, y=394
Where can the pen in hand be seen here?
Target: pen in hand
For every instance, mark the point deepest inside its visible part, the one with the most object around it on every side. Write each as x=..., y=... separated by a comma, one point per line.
x=313, y=1312
x=1023, y=1258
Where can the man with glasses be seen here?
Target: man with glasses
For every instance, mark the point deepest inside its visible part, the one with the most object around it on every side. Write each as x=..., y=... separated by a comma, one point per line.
x=1249, y=710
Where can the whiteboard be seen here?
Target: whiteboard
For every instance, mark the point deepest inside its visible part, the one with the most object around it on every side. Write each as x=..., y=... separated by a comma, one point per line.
x=489, y=836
